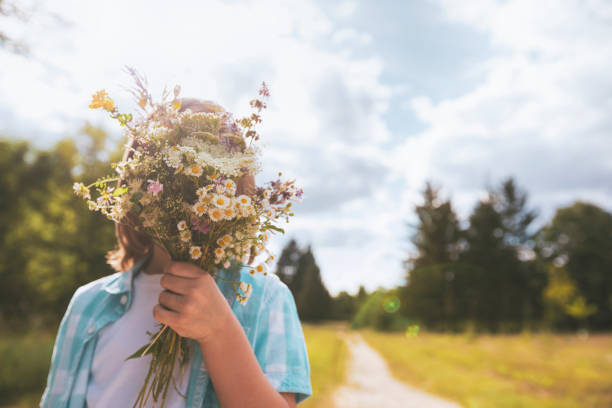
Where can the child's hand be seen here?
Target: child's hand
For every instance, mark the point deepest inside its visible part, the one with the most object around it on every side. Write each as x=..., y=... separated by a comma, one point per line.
x=192, y=304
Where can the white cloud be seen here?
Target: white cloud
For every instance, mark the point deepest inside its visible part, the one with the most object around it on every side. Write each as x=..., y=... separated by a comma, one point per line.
x=541, y=112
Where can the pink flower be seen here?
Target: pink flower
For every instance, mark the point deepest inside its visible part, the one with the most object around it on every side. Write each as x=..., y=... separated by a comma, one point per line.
x=155, y=187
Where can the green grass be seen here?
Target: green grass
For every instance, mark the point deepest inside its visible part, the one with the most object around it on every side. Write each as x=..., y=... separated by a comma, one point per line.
x=327, y=354
x=535, y=371
x=25, y=360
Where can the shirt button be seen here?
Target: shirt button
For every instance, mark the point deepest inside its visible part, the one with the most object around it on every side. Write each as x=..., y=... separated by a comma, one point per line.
x=123, y=299
x=91, y=329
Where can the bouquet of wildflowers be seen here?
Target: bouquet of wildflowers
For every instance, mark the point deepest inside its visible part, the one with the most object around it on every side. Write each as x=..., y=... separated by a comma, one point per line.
x=179, y=186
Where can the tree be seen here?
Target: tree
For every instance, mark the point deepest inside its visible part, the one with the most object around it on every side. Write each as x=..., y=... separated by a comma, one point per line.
x=579, y=239
x=312, y=299
x=438, y=233
x=287, y=265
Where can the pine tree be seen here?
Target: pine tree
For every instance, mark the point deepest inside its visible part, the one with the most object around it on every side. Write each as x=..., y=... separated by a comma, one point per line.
x=287, y=265
x=313, y=301
x=438, y=231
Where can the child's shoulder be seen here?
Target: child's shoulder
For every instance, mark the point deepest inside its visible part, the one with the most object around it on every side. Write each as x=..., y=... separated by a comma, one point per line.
x=264, y=287
x=91, y=291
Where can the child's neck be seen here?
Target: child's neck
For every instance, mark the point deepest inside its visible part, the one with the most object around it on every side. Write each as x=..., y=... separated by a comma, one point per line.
x=158, y=262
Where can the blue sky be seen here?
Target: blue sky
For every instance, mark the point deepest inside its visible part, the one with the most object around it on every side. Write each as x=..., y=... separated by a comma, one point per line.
x=369, y=100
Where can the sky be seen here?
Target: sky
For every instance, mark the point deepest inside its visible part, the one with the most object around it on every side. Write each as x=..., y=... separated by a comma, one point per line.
x=369, y=100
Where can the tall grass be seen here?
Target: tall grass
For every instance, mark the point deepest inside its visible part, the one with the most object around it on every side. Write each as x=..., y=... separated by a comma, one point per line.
x=327, y=353
x=24, y=363
x=535, y=371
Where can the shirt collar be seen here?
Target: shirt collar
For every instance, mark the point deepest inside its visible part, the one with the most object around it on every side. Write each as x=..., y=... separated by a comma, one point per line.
x=123, y=282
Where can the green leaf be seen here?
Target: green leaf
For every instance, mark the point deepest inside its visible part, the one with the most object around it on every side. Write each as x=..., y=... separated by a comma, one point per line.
x=139, y=352
x=275, y=228
x=120, y=191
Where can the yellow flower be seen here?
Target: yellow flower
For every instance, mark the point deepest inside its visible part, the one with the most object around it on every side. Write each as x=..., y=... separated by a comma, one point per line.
x=176, y=105
x=101, y=100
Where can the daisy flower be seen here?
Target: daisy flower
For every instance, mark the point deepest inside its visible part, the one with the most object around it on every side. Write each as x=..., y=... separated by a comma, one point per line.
x=201, y=192
x=195, y=252
x=244, y=200
x=215, y=214
x=199, y=209
x=230, y=186
x=182, y=225
x=193, y=170
x=229, y=213
x=221, y=201
x=185, y=236
x=219, y=252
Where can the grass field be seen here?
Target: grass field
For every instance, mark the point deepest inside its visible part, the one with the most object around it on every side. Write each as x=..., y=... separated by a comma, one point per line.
x=25, y=361
x=327, y=354
x=535, y=371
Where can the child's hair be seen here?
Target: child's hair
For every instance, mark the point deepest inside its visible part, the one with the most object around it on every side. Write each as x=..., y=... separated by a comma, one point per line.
x=132, y=244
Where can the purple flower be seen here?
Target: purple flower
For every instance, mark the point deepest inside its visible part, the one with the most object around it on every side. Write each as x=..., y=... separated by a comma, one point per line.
x=154, y=187
x=299, y=193
x=203, y=227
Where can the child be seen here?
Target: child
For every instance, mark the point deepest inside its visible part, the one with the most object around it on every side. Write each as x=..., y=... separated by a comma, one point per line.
x=244, y=355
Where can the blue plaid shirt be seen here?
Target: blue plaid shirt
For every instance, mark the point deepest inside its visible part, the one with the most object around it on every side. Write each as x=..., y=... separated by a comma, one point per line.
x=269, y=320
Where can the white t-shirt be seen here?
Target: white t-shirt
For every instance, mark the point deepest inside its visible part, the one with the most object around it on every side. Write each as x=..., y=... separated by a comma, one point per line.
x=115, y=382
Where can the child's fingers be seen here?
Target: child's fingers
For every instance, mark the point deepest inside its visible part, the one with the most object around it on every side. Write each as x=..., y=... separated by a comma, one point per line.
x=184, y=269
x=165, y=316
x=172, y=301
x=176, y=284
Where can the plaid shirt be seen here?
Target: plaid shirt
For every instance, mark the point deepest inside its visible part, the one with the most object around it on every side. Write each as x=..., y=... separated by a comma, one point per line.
x=269, y=320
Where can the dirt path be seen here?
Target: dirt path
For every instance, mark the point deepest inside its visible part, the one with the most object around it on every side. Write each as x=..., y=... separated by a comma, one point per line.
x=370, y=384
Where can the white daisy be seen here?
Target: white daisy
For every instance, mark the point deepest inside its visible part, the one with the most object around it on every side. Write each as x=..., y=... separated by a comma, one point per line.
x=195, y=252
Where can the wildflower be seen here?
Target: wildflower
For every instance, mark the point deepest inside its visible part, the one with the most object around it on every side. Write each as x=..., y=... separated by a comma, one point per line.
x=201, y=192
x=101, y=100
x=182, y=225
x=261, y=268
x=154, y=187
x=195, y=252
x=230, y=186
x=199, y=209
x=244, y=199
x=194, y=170
x=221, y=201
x=238, y=235
x=221, y=242
x=201, y=225
x=81, y=190
x=215, y=214
x=229, y=213
x=219, y=252
x=226, y=264
x=185, y=236
x=220, y=188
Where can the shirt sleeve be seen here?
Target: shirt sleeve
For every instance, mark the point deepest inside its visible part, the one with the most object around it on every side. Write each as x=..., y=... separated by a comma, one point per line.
x=280, y=346
x=55, y=383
